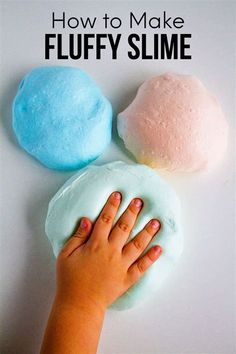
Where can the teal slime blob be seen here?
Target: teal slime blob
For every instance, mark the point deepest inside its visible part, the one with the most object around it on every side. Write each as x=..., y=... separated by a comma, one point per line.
x=61, y=117
x=85, y=194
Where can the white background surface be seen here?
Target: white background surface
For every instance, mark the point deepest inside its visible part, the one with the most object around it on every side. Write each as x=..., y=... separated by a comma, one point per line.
x=195, y=310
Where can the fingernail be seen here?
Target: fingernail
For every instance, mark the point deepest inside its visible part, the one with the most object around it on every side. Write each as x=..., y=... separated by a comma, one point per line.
x=138, y=202
x=83, y=224
x=155, y=224
x=157, y=250
x=117, y=195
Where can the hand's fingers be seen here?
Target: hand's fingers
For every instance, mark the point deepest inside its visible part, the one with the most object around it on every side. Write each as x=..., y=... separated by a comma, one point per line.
x=138, y=244
x=78, y=238
x=138, y=268
x=104, y=222
x=124, y=225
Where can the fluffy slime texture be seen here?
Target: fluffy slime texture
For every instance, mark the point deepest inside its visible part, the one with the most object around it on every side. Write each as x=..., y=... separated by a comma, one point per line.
x=61, y=117
x=174, y=123
x=86, y=193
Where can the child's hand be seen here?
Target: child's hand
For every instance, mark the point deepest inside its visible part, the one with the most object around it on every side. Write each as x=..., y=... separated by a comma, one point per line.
x=94, y=268
x=96, y=265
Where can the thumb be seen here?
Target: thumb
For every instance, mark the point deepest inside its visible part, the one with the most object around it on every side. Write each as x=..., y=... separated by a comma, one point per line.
x=80, y=236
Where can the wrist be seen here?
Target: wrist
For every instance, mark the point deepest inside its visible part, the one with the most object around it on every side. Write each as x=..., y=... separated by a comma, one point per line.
x=85, y=304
